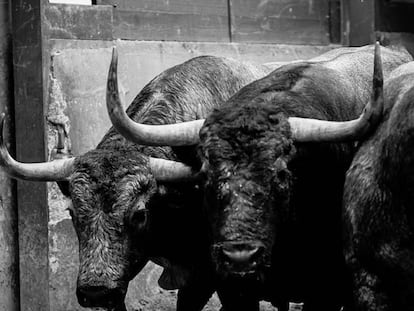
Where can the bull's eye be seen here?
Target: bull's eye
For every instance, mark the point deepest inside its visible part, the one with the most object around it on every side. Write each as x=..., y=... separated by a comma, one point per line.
x=139, y=220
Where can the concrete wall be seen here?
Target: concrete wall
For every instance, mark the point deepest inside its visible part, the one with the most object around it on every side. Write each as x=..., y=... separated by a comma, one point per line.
x=9, y=294
x=77, y=81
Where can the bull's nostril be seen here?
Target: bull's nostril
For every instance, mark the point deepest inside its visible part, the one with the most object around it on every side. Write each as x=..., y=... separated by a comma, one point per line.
x=242, y=253
x=243, y=256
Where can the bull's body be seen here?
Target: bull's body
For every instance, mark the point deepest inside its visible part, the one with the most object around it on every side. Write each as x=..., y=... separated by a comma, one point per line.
x=378, y=205
x=284, y=196
x=123, y=218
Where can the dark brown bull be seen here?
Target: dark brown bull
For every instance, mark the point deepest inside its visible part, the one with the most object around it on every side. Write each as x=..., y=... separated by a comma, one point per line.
x=132, y=203
x=378, y=203
x=274, y=177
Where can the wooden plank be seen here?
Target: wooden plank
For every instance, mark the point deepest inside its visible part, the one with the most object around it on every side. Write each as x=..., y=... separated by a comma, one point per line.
x=402, y=1
x=201, y=7
x=395, y=17
x=151, y=26
x=275, y=21
x=358, y=22
x=30, y=147
x=174, y=20
x=83, y=2
x=79, y=22
x=335, y=21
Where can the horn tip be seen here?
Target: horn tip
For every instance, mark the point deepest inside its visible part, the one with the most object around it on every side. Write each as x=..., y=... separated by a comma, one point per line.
x=377, y=62
x=114, y=54
x=377, y=47
x=2, y=118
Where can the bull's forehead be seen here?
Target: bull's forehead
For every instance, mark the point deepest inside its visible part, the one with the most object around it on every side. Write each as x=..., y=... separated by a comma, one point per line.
x=246, y=164
x=115, y=164
x=252, y=184
x=102, y=179
x=241, y=188
x=247, y=137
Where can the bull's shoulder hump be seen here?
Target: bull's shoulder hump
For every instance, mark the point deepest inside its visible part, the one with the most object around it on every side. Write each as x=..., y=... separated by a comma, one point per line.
x=404, y=69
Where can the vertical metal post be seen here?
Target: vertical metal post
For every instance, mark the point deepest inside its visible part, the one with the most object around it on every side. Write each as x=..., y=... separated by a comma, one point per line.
x=29, y=92
x=358, y=22
x=9, y=272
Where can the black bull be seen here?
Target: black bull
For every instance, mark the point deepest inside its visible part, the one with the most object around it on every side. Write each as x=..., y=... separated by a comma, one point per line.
x=126, y=208
x=274, y=194
x=378, y=205
x=274, y=176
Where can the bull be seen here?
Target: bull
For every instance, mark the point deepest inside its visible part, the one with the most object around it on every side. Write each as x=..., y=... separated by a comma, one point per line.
x=133, y=202
x=378, y=205
x=274, y=162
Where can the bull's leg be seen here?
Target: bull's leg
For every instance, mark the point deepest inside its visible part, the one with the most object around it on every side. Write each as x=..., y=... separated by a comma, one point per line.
x=237, y=306
x=369, y=294
x=324, y=298
x=233, y=302
x=281, y=306
x=194, y=296
x=321, y=305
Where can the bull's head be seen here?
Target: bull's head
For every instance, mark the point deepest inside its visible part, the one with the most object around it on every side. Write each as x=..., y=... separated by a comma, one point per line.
x=109, y=193
x=247, y=154
x=247, y=175
x=246, y=164
x=110, y=190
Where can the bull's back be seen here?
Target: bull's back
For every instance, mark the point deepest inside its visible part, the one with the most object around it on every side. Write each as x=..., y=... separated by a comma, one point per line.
x=346, y=75
x=191, y=90
x=342, y=59
x=187, y=92
x=396, y=86
x=356, y=64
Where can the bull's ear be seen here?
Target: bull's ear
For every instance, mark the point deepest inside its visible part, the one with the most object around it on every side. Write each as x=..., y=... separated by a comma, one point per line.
x=64, y=187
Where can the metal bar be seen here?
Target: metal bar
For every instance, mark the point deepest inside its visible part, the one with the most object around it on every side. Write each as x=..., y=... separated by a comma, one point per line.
x=29, y=92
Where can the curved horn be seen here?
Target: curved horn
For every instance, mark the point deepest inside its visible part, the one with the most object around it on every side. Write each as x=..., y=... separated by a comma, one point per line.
x=180, y=134
x=167, y=170
x=311, y=130
x=47, y=171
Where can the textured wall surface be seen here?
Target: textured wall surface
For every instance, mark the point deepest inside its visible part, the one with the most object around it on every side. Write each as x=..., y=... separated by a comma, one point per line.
x=77, y=82
x=8, y=219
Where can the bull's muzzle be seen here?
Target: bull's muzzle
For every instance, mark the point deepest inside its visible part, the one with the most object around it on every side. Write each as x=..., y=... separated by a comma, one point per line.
x=100, y=296
x=239, y=258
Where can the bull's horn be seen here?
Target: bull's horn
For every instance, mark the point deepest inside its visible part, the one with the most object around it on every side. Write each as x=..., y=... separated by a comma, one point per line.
x=179, y=134
x=47, y=171
x=311, y=130
x=167, y=170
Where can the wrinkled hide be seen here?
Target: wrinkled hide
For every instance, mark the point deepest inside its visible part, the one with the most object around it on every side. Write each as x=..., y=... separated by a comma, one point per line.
x=378, y=205
x=273, y=204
